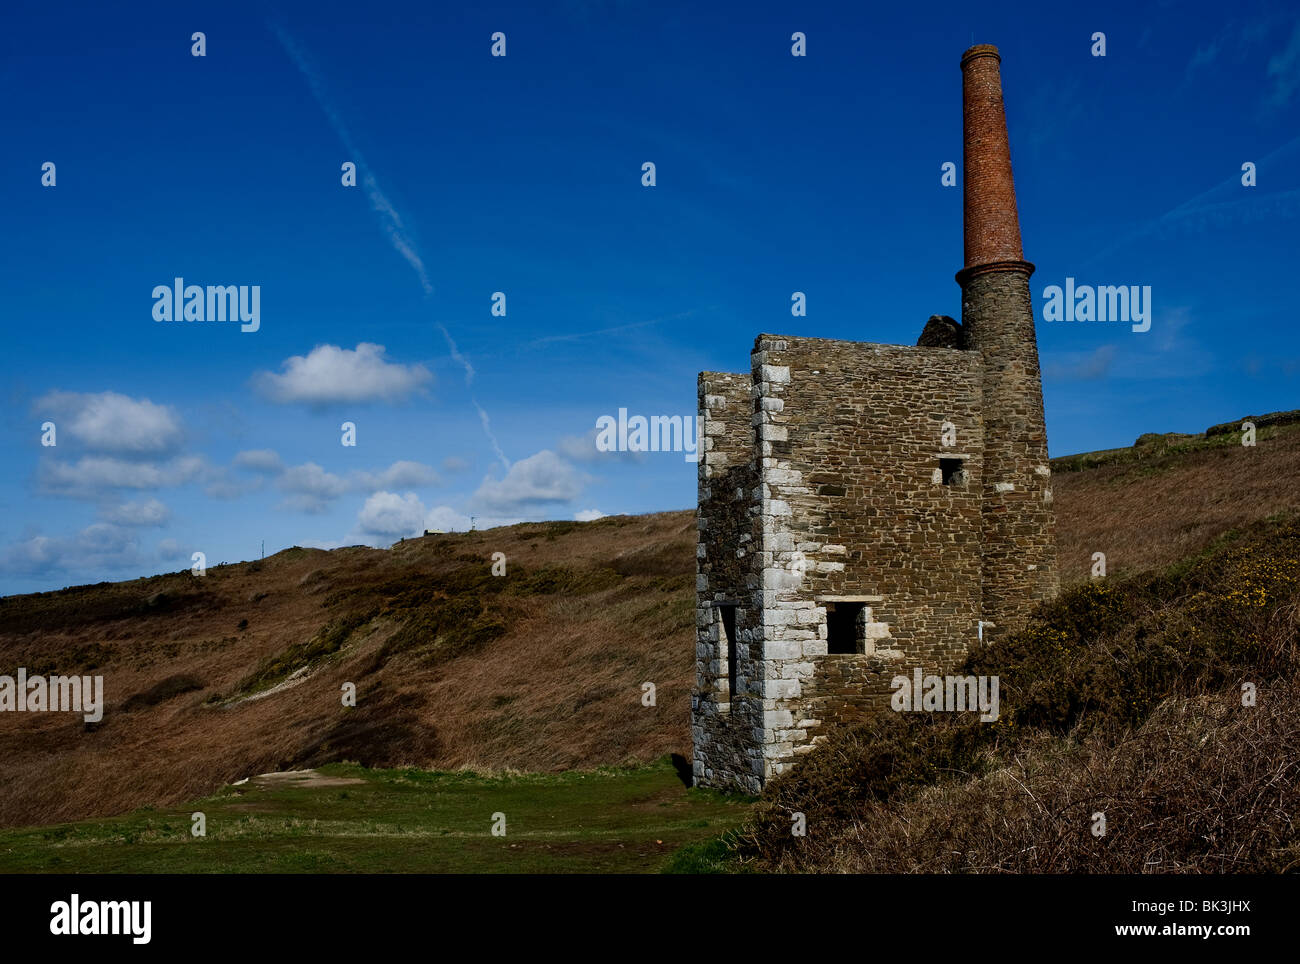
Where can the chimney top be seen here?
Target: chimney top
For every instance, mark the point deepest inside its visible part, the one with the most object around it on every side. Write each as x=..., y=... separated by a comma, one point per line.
x=980, y=50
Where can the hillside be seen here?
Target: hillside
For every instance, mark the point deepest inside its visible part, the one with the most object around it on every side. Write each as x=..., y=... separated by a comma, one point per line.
x=540, y=669
x=210, y=680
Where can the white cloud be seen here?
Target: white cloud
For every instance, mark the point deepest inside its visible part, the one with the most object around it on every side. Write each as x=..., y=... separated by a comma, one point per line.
x=260, y=460
x=311, y=489
x=304, y=502
x=1081, y=366
x=222, y=486
x=537, y=480
x=150, y=512
x=330, y=374
x=389, y=514
x=579, y=448
x=399, y=475
x=92, y=473
x=403, y=474
x=31, y=556
x=110, y=422
x=310, y=479
x=170, y=549
x=228, y=486
x=100, y=546
x=386, y=517
x=582, y=448
x=454, y=463
x=588, y=515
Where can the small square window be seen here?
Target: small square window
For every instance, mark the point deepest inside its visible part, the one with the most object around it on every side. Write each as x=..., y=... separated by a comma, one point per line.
x=845, y=627
x=953, y=471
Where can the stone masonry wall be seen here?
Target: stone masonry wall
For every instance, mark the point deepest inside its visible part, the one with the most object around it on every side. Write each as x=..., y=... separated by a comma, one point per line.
x=726, y=726
x=852, y=505
x=1018, y=529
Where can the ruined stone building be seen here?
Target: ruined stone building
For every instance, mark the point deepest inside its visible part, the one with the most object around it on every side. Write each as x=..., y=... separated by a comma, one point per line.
x=866, y=509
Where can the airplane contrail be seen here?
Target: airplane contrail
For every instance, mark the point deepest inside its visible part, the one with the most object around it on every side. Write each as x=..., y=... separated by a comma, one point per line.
x=1222, y=205
x=389, y=218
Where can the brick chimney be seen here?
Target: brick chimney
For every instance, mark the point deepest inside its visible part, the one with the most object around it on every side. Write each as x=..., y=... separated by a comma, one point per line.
x=1019, y=549
x=992, y=226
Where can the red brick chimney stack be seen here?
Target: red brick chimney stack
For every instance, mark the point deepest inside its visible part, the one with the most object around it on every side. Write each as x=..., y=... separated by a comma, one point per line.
x=992, y=225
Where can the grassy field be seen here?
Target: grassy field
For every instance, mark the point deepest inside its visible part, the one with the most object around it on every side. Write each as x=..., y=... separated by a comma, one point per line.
x=346, y=818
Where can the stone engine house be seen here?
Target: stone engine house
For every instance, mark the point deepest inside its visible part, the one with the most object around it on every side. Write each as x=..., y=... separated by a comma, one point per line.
x=866, y=509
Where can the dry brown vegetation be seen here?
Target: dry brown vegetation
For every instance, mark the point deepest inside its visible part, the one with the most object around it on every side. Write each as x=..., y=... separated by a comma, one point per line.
x=586, y=613
x=1201, y=787
x=541, y=670
x=1161, y=508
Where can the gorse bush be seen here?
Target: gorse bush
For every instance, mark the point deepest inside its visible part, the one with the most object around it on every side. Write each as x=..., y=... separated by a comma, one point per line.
x=327, y=641
x=443, y=628
x=879, y=760
x=163, y=690
x=557, y=580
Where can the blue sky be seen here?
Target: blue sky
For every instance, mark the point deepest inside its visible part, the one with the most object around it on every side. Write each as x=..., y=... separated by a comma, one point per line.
x=522, y=174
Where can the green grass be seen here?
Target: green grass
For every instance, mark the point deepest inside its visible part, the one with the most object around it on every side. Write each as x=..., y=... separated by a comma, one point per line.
x=626, y=820
x=1155, y=453
x=717, y=855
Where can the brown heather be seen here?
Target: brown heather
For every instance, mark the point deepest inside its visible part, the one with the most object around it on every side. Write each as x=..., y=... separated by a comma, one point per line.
x=1203, y=787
